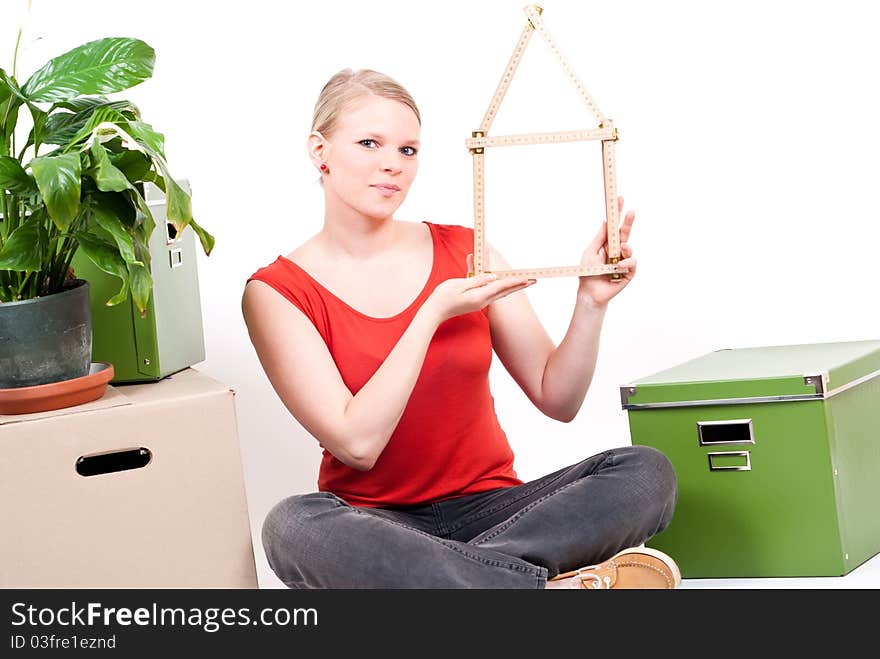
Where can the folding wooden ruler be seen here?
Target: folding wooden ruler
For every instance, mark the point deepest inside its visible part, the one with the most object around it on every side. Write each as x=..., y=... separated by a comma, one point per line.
x=480, y=140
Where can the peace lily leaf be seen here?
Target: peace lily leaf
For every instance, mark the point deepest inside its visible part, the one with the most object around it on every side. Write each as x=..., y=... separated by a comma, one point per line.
x=103, y=116
x=179, y=208
x=26, y=247
x=205, y=238
x=14, y=178
x=146, y=216
x=145, y=134
x=106, y=131
x=39, y=122
x=12, y=87
x=107, y=258
x=11, y=99
x=115, y=228
x=83, y=104
x=103, y=66
x=179, y=204
x=135, y=166
x=103, y=172
x=116, y=204
x=63, y=127
x=58, y=178
x=141, y=286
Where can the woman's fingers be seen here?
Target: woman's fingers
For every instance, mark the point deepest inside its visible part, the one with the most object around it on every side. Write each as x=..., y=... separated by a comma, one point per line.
x=507, y=291
x=599, y=239
x=626, y=226
x=479, y=281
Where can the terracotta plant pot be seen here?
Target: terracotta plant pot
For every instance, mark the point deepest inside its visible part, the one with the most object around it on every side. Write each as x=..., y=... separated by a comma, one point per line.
x=46, y=339
x=57, y=395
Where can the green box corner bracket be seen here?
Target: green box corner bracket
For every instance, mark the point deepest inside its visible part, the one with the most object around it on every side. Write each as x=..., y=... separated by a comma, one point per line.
x=170, y=337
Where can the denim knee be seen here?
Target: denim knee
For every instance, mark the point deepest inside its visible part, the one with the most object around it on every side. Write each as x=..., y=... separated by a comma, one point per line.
x=287, y=529
x=658, y=472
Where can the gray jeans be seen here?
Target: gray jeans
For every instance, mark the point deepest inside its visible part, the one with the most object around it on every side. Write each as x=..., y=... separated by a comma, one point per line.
x=511, y=537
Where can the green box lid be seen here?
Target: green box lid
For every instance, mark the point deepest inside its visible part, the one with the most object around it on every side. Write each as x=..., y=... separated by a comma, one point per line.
x=797, y=372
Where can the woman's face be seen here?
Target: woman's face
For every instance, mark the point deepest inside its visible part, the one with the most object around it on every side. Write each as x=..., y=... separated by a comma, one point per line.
x=371, y=156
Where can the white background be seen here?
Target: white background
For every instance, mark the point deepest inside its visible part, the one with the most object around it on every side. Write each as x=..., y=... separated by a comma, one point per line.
x=750, y=134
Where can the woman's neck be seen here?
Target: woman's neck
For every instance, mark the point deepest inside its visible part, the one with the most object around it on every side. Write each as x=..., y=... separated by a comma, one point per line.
x=349, y=234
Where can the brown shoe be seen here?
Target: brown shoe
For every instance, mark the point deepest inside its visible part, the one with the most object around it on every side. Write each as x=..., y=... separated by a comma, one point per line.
x=637, y=567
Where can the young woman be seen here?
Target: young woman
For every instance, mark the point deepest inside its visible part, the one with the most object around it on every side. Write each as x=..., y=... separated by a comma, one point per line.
x=379, y=344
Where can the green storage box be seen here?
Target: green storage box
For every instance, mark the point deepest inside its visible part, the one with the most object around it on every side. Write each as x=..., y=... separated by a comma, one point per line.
x=777, y=455
x=171, y=337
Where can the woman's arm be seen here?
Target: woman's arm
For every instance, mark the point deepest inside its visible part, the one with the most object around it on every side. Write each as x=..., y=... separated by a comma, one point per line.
x=355, y=429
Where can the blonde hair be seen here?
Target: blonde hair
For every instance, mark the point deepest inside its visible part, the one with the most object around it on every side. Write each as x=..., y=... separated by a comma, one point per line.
x=346, y=87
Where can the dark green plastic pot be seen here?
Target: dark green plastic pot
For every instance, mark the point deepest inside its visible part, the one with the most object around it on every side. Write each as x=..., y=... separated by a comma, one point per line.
x=46, y=339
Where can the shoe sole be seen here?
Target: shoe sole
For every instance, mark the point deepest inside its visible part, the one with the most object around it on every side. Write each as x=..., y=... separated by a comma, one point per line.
x=660, y=556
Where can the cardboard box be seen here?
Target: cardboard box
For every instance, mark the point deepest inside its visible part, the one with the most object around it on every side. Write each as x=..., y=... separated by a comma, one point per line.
x=777, y=458
x=142, y=488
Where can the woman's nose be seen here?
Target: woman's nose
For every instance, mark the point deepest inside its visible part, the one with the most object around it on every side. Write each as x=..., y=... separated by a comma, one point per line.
x=391, y=162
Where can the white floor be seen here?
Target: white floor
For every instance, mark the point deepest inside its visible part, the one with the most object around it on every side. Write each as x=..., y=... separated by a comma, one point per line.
x=867, y=575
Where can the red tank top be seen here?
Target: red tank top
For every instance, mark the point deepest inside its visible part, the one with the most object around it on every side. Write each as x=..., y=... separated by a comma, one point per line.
x=448, y=441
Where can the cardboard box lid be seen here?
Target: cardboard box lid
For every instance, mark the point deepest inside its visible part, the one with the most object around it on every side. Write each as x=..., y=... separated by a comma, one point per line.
x=185, y=384
x=112, y=398
x=796, y=372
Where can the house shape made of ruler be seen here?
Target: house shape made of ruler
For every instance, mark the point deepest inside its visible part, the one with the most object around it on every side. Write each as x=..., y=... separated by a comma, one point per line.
x=481, y=140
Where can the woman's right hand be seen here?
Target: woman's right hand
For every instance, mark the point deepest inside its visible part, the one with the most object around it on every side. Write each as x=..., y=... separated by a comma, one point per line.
x=454, y=297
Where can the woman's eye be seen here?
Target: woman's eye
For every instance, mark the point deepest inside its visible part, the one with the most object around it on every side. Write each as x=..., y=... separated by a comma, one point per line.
x=408, y=151
x=367, y=142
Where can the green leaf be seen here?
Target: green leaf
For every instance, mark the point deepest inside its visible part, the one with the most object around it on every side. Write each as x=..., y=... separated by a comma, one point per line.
x=104, y=173
x=145, y=219
x=148, y=137
x=141, y=287
x=58, y=178
x=26, y=248
x=205, y=238
x=107, y=258
x=103, y=66
x=39, y=120
x=178, y=202
x=101, y=116
x=134, y=164
x=116, y=204
x=11, y=99
x=84, y=104
x=14, y=178
x=63, y=127
x=113, y=225
x=12, y=87
x=178, y=205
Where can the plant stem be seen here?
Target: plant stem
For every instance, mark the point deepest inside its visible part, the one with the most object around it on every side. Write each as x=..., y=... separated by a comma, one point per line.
x=15, y=53
x=4, y=223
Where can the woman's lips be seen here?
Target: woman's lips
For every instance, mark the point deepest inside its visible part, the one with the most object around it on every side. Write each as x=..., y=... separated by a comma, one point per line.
x=386, y=190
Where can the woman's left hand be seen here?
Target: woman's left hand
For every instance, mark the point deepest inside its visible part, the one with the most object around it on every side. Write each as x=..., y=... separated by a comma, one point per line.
x=599, y=289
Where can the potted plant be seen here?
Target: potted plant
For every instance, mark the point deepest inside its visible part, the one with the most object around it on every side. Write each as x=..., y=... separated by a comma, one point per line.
x=73, y=180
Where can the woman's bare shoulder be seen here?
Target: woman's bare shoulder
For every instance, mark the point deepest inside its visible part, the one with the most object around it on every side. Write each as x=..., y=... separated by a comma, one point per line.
x=305, y=255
